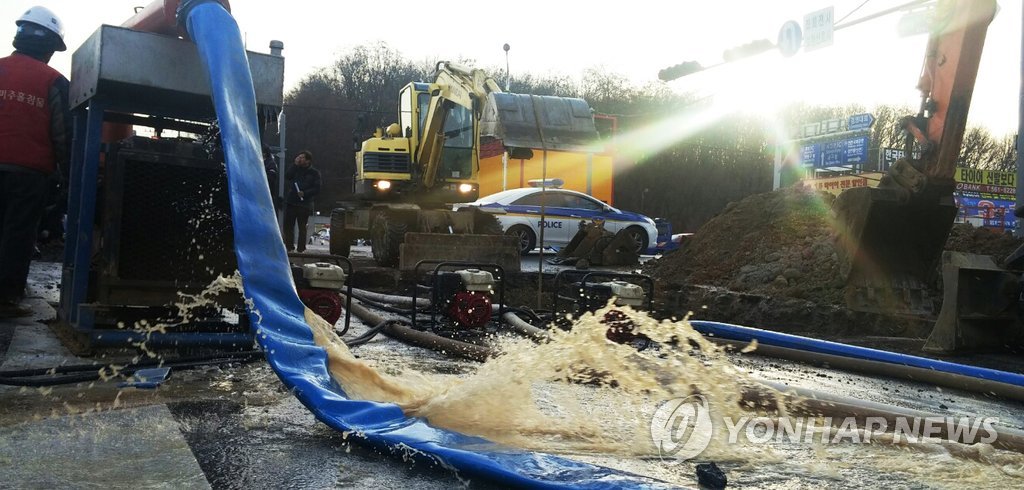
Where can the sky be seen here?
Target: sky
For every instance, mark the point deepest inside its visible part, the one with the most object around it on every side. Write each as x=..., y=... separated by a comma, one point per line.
x=867, y=64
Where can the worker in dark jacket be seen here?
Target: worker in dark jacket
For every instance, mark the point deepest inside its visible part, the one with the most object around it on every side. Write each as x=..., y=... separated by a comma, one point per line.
x=35, y=129
x=303, y=185
x=270, y=167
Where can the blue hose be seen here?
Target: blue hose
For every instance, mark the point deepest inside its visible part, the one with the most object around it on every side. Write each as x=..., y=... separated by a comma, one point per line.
x=746, y=334
x=277, y=316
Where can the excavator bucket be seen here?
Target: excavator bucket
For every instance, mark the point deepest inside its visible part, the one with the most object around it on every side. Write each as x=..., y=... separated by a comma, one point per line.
x=889, y=248
x=593, y=245
x=539, y=122
x=492, y=249
x=979, y=307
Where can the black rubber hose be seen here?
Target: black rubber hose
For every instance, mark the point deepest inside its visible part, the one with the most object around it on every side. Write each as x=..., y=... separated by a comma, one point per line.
x=368, y=335
x=514, y=309
x=74, y=368
x=438, y=343
x=804, y=401
x=389, y=308
x=60, y=380
x=428, y=340
x=71, y=377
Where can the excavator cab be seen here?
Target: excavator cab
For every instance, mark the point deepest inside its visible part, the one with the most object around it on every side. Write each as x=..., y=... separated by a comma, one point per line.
x=387, y=169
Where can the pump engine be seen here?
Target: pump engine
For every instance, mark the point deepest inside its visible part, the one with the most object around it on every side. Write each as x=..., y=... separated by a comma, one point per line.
x=462, y=296
x=595, y=290
x=468, y=293
x=319, y=286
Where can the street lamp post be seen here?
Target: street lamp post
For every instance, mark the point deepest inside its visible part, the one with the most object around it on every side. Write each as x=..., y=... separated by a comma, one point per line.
x=508, y=74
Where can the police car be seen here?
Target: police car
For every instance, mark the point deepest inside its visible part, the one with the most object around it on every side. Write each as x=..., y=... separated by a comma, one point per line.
x=519, y=212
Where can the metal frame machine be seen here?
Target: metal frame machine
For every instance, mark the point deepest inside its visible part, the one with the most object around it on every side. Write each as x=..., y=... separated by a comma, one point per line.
x=148, y=217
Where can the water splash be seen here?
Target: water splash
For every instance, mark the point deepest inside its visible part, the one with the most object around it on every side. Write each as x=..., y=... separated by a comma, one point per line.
x=581, y=395
x=576, y=393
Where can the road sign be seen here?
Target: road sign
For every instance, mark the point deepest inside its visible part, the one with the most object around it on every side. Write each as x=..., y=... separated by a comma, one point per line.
x=821, y=127
x=844, y=152
x=888, y=156
x=790, y=38
x=860, y=121
x=810, y=154
x=818, y=29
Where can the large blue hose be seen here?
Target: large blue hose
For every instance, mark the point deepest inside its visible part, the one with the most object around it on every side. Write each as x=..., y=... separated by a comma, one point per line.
x=277, y=313
x=746, y=334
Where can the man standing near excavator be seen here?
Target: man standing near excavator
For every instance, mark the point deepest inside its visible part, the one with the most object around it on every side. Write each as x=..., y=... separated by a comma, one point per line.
x=35, y=131
x=303, y=186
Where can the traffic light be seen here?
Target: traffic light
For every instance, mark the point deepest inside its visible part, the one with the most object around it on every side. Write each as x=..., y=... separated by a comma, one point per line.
x=747, y=50
x=679, y=71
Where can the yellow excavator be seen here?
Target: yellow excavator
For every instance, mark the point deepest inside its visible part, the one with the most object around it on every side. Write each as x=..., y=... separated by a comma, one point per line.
x=409, y=174
x=892, y=237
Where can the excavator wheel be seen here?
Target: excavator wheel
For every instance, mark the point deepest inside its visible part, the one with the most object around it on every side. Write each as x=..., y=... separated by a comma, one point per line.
x=387, y=234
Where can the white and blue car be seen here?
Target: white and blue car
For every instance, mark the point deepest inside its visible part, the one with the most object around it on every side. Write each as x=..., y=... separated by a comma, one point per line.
x=519, y=212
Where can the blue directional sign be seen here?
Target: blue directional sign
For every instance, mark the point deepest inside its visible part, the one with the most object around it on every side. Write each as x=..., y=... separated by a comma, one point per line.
x=860, y=121
x=790, y=38
x=810, y=154
x=844, y=152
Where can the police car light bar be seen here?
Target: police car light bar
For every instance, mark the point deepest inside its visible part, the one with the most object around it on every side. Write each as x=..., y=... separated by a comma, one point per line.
x=556, y=183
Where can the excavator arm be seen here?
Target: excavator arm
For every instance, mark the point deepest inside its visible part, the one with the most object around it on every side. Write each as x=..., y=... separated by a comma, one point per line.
x=891, y=237
x=456, y=86
x=947, y=85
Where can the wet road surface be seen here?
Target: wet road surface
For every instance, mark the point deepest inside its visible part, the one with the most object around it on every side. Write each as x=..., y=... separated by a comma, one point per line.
x=236, y=427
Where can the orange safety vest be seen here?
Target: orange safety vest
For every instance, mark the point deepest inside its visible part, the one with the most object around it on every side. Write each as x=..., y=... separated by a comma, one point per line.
x=25, y=113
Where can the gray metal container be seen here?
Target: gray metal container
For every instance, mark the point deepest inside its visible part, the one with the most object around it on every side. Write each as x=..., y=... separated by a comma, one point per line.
x=141, y=69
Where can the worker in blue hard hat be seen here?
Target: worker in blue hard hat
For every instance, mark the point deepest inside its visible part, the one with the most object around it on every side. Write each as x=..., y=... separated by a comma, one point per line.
x=35, y=129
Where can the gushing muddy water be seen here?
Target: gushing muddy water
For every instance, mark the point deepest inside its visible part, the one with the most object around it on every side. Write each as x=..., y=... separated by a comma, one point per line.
x=582, y=395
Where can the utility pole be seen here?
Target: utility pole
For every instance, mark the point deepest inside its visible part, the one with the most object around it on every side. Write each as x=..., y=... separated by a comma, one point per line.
x=508, y=74
x=1019, y=231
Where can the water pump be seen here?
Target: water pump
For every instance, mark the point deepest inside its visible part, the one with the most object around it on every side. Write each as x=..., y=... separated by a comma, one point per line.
x=595, y=290
x=318, y=285
x=469, y=297
x=462, y=296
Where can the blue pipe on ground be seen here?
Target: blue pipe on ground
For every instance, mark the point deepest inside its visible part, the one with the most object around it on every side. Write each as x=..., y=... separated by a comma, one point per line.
x=746, y=334
x=277, y=313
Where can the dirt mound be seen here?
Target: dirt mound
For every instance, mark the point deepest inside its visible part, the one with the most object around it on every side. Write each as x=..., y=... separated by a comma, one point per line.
x=983, y=241
x=782, y=244
x=776, y=243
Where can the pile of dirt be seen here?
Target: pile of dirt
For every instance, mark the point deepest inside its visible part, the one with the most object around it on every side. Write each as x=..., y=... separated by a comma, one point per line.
x=982, y=241
x=777, y=243
x=781, y=244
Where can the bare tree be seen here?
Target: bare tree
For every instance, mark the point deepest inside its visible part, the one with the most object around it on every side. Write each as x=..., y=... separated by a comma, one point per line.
x=687, y=180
